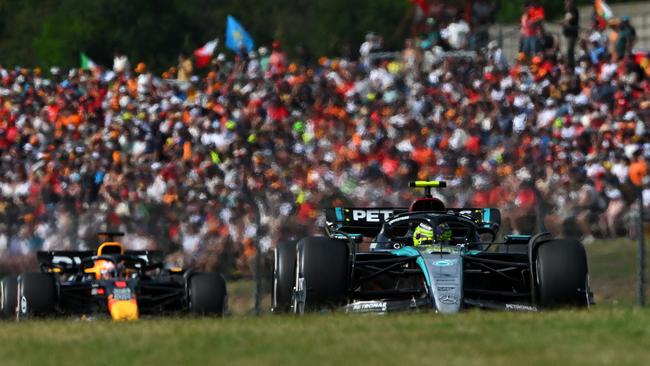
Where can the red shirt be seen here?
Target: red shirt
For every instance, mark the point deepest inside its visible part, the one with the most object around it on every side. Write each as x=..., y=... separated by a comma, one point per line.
x=525, y=198
x=473, y=145
x=53, y=113
x=277, y=113
x=530, y=21
x=389, y=166
x=496, y=196
x=481, y=199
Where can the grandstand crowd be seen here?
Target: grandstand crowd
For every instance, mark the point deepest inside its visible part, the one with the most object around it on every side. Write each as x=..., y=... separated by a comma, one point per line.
x=207, y=164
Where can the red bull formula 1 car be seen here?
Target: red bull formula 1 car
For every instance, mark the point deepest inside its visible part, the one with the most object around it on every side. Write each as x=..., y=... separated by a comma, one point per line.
x=120, y=283
x=427, y=256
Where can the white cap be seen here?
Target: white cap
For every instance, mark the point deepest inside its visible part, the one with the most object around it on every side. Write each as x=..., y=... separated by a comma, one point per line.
x=595, y=37
x=581, y=99
x=629, y=116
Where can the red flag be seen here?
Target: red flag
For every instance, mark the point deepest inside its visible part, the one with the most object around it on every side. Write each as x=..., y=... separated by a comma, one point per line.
x=423, y=4
x=204, y=54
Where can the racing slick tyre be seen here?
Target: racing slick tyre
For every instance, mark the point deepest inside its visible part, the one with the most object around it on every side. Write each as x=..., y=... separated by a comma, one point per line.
x=284, y=275
x=562, y=273
x=8, y=297
x=36, y=295
x=323, y=267
x=207, y=294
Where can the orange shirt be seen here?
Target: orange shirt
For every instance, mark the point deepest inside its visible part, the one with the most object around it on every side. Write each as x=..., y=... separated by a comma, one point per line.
x=638, y=170
x=187, y=151
x=422, y=155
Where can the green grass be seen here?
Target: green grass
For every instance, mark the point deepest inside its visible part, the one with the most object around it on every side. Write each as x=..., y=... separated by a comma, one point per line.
x=599, y=337
x=612, y=332
x=613, y=270
x=241, y=297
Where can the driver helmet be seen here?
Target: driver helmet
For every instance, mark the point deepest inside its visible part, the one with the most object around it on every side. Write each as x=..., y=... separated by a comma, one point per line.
x=105, y=269
x=422, y=235
x=443, y=233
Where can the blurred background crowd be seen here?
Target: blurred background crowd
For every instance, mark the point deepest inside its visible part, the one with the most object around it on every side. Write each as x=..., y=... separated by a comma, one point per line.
x=212, y=165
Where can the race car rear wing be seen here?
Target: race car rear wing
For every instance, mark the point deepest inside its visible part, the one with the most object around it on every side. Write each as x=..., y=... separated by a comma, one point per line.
x=345, y=222
x=70, y=260
x=358, y=221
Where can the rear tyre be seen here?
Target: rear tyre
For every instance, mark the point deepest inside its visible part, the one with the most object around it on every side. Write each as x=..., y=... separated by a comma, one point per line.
x=8, y=297
x=322, y=274
x=562, y=274
x=284, y=275
x=207, y=294
x=36, y=295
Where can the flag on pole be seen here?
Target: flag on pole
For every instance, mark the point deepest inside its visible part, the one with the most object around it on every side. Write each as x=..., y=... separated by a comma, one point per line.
x=87, y=63
x=236, y=36
x=203, y=55
x=603, y=10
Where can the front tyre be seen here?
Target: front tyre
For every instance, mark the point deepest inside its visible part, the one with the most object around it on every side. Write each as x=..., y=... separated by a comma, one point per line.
x=322, y=274
x=562, y=274
x=207, y=294
x=8, y=297
x=284, y=275
x=37, y=295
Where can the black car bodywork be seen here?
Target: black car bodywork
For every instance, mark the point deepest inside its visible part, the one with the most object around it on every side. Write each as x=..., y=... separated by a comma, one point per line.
x=156, y=289
x=522, y=272
x=122, y=284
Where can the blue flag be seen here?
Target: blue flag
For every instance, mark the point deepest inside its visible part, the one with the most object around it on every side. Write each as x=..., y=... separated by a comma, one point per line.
x=236, y=36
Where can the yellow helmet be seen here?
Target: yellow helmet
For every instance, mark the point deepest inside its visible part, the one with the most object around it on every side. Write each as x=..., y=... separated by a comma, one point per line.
x=422, y=235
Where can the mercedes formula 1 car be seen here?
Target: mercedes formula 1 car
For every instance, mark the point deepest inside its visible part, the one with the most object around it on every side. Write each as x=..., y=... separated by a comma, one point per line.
x=427, y=256
x=120, y=283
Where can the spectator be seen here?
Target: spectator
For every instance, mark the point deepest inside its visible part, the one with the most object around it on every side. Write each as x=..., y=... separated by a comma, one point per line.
x=277, y=60
x=638, y=168
x=456, y=34
x=626, y=38
x=612, y=41
x=590, y=205
x=482, y=15
x=598, y=51
x=570, y=29
x=610, y=219
x=211, y=168
x=531, y=22
x=120, y=63
x=371, y=44
x=185, y=68
x=549, y=43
